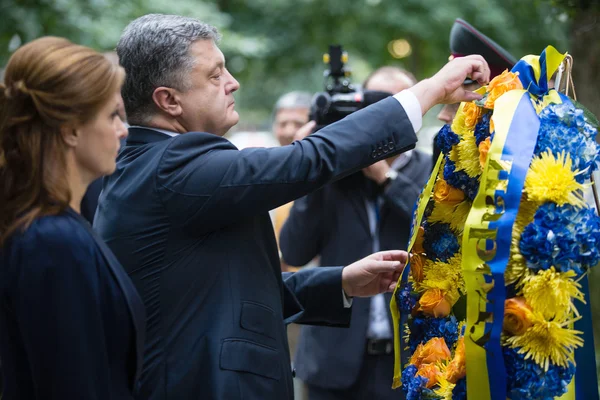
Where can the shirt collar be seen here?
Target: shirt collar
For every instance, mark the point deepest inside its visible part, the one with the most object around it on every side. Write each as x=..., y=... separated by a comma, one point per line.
x=168, y=133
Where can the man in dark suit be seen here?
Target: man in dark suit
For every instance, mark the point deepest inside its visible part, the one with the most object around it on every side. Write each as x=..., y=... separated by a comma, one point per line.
x=366, y=212
x=186, y=213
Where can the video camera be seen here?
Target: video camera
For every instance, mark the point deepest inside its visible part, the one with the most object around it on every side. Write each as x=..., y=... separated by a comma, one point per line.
x=340, y=97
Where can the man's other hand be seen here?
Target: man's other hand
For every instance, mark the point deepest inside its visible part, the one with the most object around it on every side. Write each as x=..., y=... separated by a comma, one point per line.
x=305, y=130
x=377, y=171
x=377, y=273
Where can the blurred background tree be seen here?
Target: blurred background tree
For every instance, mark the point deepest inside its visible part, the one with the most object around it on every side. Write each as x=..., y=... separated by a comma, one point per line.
x=273, y=46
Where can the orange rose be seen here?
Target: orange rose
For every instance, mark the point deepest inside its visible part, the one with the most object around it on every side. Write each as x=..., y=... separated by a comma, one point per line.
x=434, y=302
x=517, y=316
x=446, y=194
x=484, y=148
x=418, y=245
x=417, y=262
x=433, y=351
x=501, y=84
x=472, y=114
x=416, y=359
x=431, y=372
x=457, y=368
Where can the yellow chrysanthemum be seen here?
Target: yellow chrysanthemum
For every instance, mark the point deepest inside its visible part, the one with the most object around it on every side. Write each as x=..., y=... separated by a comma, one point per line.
x=547, y=342
x=453, y=154
x=444, y=389
x=446, y=276
x=455, y=215
x=468, y=155
x=516, y=268
x=552, y=179
x=551, y=293
x=458, y=123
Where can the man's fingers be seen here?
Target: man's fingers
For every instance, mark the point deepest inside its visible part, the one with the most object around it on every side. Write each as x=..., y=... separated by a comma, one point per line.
x=380, y=267
x=392, y=255
x=470, y=96
x=480, y=77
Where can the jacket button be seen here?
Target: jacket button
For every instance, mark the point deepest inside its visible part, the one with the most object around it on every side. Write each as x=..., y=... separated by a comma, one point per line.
x=374, y=154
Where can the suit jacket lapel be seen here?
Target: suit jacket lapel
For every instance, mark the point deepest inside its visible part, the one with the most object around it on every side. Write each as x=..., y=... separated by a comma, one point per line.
x=134, y=302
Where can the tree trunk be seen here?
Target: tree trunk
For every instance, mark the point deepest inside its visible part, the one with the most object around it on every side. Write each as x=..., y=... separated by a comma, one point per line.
x=585, y=49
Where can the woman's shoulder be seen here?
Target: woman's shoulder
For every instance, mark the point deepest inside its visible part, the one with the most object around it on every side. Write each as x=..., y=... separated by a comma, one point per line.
x=54, y=233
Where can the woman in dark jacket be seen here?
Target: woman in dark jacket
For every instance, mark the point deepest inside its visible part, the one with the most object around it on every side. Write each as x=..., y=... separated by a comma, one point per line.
x=71, y=322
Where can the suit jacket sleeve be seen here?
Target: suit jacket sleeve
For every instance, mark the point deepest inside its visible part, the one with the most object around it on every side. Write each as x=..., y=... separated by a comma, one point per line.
x=403, y=192
x=58, y=310
x=313, y=296
x=206, y=183
x=301, y=237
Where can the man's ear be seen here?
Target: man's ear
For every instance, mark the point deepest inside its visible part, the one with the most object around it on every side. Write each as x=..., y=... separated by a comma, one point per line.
x=167, y=100
x=70, y=134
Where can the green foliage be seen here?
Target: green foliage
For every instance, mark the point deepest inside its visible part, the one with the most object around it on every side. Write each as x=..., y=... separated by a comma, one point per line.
x=273, y=46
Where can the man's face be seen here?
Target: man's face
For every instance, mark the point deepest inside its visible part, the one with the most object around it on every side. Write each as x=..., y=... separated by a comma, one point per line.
x=287, y=122
x=449, y=110
x=209, y=106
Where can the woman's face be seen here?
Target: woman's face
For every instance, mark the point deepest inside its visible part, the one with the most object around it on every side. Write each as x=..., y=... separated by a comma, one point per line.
x=99, y=143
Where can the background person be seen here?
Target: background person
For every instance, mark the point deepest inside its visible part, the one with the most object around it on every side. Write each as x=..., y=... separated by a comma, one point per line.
x=368, y=211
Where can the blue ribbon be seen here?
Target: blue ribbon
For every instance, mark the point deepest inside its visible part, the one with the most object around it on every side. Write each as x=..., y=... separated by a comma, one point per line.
x=518, y=149
x=586, y=378
x=531, y=83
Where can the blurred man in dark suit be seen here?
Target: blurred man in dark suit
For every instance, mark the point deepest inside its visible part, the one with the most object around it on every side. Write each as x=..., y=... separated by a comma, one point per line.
x=365, y=212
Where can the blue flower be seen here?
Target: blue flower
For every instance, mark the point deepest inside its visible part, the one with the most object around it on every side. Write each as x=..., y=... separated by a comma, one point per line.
x=482, y=129
x=423, y=329
x=562, y=236
x=445, y=139
x=527, y=380
x=405, y=298
x=460, y=390
x=563, y=127
x=412, y=385
x=460, y=180
x=440, y=243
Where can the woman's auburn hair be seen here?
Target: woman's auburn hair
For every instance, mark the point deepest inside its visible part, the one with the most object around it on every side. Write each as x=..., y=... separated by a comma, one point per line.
x=48, y=83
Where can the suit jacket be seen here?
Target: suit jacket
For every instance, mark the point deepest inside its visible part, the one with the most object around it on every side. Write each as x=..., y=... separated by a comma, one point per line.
x=333, y=223
x=71, y=322
x=187, y=216
x=89, y=203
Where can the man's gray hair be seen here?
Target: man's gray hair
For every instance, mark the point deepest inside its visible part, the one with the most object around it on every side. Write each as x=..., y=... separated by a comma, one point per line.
x=296, y=99
x=154, y=50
